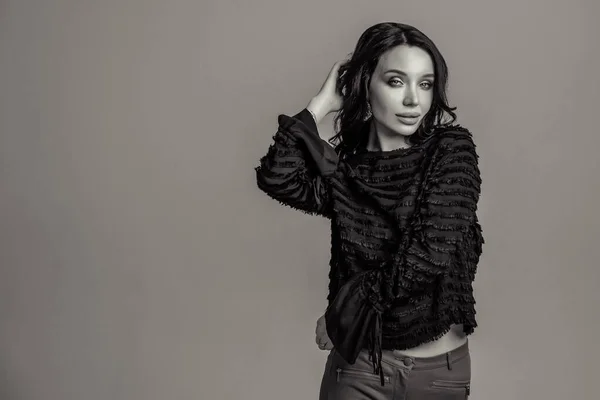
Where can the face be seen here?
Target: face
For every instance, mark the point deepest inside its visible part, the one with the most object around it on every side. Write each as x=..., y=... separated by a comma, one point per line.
x=402, y=83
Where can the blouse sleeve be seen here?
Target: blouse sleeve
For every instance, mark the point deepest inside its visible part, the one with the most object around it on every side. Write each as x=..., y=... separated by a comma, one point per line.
x=296, y=167
x=447, y=226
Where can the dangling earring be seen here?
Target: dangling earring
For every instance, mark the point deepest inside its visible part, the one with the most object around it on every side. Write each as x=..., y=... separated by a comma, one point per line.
x=369, y=114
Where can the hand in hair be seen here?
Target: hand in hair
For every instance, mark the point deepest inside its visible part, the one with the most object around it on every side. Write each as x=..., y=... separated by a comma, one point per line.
x=329, y=98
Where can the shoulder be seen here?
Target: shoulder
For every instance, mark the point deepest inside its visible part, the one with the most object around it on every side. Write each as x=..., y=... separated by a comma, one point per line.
x=456, y=154
x=453, y=136
x=455, y=140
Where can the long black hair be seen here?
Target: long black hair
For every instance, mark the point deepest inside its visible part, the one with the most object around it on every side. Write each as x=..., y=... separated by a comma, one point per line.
x=354, y=75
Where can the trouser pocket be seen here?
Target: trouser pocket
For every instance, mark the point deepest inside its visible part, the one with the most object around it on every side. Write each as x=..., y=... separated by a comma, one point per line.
x=462, y=388
x=359, y=374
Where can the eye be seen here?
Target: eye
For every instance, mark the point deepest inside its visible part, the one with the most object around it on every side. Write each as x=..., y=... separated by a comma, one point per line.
x=397, y=82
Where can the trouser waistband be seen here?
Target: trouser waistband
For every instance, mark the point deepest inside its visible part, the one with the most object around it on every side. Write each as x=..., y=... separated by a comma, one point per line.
x=428, y=362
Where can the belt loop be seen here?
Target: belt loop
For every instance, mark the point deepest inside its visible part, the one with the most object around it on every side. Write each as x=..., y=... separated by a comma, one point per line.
x=448, y=360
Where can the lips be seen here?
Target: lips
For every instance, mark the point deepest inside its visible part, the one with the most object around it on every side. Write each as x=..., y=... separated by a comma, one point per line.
x=408, y=121
x=409, y=115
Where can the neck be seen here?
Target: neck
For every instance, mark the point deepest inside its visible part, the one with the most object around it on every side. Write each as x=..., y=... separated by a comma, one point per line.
x=379, y=140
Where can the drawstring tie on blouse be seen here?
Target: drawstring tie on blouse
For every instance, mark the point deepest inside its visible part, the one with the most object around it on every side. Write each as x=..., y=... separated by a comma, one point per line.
x=375, y=350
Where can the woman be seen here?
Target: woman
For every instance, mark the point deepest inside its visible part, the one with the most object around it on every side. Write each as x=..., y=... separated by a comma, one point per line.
x=401, y=188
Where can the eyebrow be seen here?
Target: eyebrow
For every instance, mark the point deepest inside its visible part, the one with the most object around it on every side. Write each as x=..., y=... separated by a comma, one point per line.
x=428, y=75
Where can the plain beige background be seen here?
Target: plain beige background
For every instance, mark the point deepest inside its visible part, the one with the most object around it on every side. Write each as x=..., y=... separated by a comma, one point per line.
x=139, y=260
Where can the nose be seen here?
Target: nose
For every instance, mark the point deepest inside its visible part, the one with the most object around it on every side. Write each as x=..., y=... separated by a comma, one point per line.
x=411, y=98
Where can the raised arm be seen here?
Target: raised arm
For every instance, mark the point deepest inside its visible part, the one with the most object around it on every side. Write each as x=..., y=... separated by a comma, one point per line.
x=296, y=167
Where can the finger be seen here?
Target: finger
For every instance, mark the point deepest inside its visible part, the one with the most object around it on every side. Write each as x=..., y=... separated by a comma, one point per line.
x=337, y=65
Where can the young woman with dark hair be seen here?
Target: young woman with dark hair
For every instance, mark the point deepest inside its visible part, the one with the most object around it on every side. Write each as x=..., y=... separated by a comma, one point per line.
x=400, y=186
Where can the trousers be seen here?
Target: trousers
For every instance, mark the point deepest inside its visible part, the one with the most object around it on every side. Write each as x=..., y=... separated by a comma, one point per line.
x=442, y=377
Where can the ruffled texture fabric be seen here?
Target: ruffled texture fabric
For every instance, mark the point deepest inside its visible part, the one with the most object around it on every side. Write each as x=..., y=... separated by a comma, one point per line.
x=445, y=217
x=406, y=240
x=441, y=232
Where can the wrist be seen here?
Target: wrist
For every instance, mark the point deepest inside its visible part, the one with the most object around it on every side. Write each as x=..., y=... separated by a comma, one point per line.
x=318, y=107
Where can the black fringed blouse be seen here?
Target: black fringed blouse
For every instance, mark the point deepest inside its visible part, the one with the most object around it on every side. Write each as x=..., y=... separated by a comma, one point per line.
x=397, y=278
